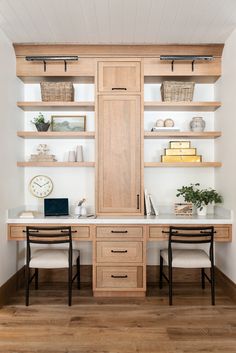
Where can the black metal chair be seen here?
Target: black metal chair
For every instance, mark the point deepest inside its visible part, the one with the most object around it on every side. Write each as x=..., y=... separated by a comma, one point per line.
x=50, y=257
x=189, y=258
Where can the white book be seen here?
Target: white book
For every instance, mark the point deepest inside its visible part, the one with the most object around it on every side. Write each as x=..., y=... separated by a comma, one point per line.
x=147, y=203
x=153, y=207
x=26, y=214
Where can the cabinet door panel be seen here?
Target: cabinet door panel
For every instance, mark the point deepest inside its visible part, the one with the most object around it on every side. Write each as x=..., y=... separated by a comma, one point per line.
x=119, y=155
x=119, y=77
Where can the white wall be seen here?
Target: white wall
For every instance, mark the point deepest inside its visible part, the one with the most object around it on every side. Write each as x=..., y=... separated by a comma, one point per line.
x=225, y=177
x=11, y=149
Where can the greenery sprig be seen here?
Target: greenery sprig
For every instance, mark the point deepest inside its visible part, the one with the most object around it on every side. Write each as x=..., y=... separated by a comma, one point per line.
x=199, y=197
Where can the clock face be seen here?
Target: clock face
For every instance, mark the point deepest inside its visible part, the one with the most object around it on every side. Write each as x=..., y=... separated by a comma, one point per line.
x=41, y=186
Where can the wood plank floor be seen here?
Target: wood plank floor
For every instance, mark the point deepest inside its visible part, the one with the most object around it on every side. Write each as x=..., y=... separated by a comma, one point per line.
x=106, y=325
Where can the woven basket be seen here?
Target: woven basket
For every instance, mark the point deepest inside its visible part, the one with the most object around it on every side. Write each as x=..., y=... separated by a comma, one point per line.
x=57, y=91
x=175, y=91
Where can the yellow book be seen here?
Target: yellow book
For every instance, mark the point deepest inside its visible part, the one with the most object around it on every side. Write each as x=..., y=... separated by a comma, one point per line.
x=180, y=144
x=174, y=159
x=180, y=151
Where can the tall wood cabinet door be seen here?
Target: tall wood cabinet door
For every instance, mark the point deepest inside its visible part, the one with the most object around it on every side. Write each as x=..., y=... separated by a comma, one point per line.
x=119, y=155
x=119, y=76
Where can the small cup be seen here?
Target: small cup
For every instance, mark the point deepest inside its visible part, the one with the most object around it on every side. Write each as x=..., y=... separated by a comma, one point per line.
x=71, y=156
x=79, y=153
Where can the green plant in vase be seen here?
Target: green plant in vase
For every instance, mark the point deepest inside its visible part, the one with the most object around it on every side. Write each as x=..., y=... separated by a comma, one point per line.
x=40, y=123
x=201, y=198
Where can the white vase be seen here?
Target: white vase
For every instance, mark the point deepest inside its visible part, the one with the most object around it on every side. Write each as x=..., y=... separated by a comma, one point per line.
x=77, y=210
x=202, y=211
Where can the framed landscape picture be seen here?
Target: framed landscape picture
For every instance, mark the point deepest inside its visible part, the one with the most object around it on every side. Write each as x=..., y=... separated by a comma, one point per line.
x=70, y=123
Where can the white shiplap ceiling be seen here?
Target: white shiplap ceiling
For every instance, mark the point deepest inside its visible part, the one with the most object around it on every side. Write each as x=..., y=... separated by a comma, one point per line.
x=118, y=21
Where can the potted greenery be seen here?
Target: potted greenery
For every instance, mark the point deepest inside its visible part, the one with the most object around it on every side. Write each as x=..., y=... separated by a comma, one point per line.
x=40, y=123
x=199, y=197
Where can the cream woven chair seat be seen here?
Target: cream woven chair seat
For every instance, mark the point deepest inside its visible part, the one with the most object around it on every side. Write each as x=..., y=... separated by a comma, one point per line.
x=52, y=258
x=187, y=258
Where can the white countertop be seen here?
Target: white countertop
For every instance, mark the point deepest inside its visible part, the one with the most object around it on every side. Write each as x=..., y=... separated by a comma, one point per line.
x=220, y=216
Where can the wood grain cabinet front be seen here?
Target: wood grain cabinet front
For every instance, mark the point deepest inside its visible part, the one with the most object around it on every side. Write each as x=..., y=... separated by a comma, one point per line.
x=119, y=251
x=157, y=67
x=223, y=232
x=84, y=67
x=119, y=278
x=123, y=232
x=119, y=77
x=18, y=231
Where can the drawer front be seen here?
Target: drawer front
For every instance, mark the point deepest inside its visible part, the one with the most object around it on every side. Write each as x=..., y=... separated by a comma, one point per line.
x=155, y=67
x=119, y=77
x=119, y=251
x=18, y=232
x=82, y=67
x=81, y=232
x=121, y=232
x=119, y=278
x=223, y=233
x=156, y=232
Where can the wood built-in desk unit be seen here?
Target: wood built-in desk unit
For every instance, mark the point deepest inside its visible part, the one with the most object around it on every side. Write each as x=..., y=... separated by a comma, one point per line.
x=119, y=245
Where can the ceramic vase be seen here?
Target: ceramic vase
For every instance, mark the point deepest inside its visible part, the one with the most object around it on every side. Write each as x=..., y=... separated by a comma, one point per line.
x=202, y=211
x=197, y=124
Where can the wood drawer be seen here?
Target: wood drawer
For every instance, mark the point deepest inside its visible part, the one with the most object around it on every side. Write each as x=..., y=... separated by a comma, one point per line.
x=119, y=232
x=119, y=77
x=17, y=232
x=157, y=67
x=119, y=278
x=83, y=67
x=223, y=232
x=119, y=251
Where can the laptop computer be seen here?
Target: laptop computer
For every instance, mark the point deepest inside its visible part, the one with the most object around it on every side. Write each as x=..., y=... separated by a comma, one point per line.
x=56, y=207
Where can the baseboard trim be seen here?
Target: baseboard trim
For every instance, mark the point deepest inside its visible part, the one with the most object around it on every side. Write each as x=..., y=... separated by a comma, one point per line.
x=8, y=289
x=228, y=285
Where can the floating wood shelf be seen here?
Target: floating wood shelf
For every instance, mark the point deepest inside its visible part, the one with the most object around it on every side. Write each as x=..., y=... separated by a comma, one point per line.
x=184, y=164
x=56, y=164
x=64, y=106
x=56, y=134
x=182, y=134
x=182, y=106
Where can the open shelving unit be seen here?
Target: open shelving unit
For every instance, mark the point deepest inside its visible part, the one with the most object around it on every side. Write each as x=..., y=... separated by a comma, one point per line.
x=182, y=106
x=182, y=134
x=182, y=164
x=56, y=164
x=66, y=106
x=56, y=134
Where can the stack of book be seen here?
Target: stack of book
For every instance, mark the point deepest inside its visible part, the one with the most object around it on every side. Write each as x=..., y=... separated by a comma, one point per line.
x=150, y=208
x=180, y=151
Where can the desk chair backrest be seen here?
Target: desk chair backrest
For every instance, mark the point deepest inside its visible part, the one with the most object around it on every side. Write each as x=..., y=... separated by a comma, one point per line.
x=191, y=235
x=48, y=235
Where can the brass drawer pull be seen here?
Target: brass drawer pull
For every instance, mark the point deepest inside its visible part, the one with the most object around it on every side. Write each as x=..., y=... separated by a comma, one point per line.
x=119, y=88
x=119, y=231
x=114, y=276
x=119, y=251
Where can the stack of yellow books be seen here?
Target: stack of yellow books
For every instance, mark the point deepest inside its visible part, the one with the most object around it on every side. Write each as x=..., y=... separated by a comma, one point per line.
x=180, y=151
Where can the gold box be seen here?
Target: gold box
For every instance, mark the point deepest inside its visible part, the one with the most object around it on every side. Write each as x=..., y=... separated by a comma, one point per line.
x=180, y=151
x=180, y=144
x=174, y=159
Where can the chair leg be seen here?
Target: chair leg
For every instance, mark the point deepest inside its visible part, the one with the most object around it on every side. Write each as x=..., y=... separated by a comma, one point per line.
x=161, y=273
x=36, y=278
x=212, y=285
x=203, y=278
x=170, y=285
x=27, y=279
x=78, y=272
x=69, y=285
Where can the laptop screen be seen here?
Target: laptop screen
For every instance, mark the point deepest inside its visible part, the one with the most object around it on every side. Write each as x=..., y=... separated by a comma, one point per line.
x=56, y=207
